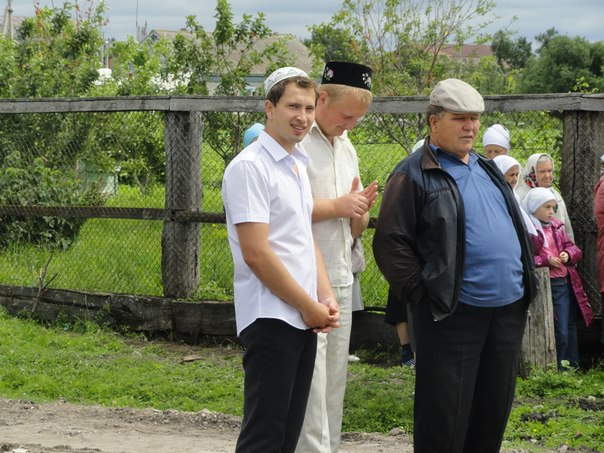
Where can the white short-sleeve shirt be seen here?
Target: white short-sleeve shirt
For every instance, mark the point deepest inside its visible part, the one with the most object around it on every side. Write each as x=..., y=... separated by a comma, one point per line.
x=260, y=185
x=331, y=171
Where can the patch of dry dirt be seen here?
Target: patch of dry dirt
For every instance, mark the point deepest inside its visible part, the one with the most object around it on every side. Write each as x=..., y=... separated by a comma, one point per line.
x=62, y=427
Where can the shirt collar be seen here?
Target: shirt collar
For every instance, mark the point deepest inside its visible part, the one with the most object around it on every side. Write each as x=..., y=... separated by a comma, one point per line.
x=277, y=152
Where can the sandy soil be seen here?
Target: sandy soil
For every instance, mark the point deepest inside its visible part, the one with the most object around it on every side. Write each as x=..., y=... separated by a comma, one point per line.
x=68, y=428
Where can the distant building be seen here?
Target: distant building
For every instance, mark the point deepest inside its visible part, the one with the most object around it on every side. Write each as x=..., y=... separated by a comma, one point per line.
x=296, y=50
x=467, y=53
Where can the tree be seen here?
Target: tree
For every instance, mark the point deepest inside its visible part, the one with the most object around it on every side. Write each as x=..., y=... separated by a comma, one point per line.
x=511, y=54
x=404, y=41
x=228, y=54
x=563, y=64
x=329, y=43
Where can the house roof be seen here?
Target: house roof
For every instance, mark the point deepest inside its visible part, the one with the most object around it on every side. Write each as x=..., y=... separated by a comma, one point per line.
x=467, y=51
x=296, y=49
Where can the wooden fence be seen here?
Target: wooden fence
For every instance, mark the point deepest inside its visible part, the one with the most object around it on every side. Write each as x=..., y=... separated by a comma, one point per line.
x=583, y=143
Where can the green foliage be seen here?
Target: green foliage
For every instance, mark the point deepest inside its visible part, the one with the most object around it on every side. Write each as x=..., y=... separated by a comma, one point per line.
x=560, y=408
x=51, y=363
x=57, y=52
x=404, y=41
x=79, y=362
x=226, y=56
x=24, y=183
x=510, y=53
x=329, y=43
x=562, y=64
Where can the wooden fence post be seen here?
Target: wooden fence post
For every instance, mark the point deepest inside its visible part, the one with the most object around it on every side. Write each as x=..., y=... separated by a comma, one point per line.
x=181, y=240
x=539, y=342
x=583, y=145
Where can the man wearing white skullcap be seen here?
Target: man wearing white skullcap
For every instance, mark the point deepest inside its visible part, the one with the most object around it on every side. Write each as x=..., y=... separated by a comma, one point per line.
x=450, y=240
x=282, y=291
x=496, y=141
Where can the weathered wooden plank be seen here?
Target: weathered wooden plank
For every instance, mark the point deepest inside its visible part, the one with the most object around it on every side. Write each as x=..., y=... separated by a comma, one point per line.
x=409, y=104
x=96, y=104
x=539, y=342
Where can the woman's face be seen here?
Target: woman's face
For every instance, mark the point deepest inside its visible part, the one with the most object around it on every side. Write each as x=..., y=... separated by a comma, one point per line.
x=491, y=151
x=545, y=173
x=511, y=176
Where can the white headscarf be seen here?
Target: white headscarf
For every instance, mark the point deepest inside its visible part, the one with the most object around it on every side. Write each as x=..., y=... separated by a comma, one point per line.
x=497, y=135
x=505, y=162
x=535, y=198
x=418, y=145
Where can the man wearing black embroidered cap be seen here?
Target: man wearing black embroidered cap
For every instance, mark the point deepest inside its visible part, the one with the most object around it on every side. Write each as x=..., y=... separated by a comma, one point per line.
x=340, y=214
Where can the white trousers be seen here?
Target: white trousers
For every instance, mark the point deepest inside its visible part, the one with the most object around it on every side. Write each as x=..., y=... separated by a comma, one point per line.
x=323, y=419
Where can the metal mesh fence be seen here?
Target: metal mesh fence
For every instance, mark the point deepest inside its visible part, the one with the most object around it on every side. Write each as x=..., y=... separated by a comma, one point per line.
x=118, y=164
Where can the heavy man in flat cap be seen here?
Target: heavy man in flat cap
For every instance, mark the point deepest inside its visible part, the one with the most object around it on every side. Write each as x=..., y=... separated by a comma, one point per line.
x=282, y=292
x=340, y=214
x=450, y=239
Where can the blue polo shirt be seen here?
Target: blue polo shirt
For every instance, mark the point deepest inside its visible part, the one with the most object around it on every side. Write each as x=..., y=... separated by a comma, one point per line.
x=492, y=274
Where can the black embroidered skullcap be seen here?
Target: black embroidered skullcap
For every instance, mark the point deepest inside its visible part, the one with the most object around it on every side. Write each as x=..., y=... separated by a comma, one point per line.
x=345, y=73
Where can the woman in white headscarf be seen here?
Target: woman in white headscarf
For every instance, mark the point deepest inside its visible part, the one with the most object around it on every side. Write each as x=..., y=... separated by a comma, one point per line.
x=539, y=172
x=511, y=168
x=496, y=141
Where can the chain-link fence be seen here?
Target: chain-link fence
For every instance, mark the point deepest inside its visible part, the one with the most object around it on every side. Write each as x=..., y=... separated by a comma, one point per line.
x=112, y=201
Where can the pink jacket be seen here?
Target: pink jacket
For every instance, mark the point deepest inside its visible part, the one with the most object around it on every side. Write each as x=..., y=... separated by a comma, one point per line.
x=599, y=215
x=563, y=243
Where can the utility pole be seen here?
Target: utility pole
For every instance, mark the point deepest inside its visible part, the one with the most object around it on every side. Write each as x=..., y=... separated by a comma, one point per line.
x=7, y=22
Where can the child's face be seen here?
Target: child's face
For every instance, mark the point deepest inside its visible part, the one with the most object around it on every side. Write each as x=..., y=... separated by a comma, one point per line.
x=545, y=212
x=511, y=176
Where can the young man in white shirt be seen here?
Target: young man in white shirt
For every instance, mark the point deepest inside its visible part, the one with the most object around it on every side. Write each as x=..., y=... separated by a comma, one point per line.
x=282, y=292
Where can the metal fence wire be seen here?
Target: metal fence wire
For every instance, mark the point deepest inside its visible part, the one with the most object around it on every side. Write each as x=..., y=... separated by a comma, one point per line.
x=128, y=202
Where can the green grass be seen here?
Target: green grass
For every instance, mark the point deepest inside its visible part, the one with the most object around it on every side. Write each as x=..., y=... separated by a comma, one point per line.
x=83, y=363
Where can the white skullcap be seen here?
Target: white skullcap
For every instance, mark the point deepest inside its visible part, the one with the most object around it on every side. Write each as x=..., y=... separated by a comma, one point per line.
x=497, y=135
x=418, y=145
x=457, y=96
x=537, y=197
x=282, y=74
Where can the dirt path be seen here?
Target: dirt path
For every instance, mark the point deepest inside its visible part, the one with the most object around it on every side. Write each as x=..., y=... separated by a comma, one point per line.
x=68, y=428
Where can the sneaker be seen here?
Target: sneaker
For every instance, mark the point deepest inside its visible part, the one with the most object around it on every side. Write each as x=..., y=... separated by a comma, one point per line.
x=353, y=358
x=408, y=363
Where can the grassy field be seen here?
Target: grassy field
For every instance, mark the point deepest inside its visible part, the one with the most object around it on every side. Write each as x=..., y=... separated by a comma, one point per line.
x=83, y=363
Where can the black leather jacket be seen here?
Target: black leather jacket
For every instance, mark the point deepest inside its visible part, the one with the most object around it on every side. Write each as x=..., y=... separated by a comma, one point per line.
x=419, y=242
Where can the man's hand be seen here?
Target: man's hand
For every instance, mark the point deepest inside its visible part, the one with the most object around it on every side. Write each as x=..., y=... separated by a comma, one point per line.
x=334, y=311
x=322, y=317
x=355, y=204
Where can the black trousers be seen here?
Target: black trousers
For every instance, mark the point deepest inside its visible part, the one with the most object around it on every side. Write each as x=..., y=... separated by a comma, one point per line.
x=278, y=363
x=466, y=369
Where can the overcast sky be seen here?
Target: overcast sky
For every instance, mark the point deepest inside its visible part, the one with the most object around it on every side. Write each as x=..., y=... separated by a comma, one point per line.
x=572, y=17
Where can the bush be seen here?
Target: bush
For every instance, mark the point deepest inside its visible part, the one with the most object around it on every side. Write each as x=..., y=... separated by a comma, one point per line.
x=25, y=183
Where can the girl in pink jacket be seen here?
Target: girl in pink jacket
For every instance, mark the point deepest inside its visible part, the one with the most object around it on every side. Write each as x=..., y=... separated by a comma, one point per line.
x=555, y=250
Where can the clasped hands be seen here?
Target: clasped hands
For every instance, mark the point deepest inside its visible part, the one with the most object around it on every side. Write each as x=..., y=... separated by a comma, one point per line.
x=557, y=261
